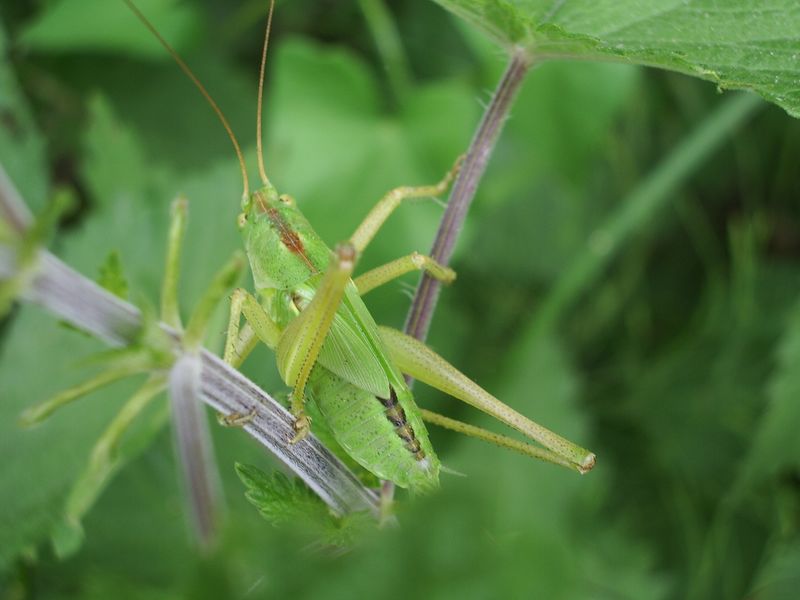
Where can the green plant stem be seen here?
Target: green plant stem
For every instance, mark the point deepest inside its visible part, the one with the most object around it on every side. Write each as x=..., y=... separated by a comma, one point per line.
x=223, y=281
x=170, y=311
x=38, y=413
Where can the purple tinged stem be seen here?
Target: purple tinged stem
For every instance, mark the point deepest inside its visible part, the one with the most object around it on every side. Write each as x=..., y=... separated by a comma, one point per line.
x=427, y=294
x=418, y=320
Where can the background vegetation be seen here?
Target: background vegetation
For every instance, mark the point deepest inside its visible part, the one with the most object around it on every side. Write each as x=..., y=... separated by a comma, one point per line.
x=678, y=365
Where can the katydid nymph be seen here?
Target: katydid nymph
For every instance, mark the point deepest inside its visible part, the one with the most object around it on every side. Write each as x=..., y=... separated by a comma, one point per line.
x=308, y=309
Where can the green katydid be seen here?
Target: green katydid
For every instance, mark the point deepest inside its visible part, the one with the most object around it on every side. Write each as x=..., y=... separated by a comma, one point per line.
x=309, y=310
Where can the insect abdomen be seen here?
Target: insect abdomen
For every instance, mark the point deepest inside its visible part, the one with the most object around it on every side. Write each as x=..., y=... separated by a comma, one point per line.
x=384, y=435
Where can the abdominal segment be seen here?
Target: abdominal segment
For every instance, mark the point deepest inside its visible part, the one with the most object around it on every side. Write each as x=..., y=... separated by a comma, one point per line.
x=384, y=435
x=397, y=417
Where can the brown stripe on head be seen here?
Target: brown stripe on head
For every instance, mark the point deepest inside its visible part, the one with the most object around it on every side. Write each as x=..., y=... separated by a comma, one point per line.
x=289, y=237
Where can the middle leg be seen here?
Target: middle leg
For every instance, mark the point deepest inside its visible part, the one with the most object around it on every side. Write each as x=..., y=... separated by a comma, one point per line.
x=392, y=270
x=386, y=206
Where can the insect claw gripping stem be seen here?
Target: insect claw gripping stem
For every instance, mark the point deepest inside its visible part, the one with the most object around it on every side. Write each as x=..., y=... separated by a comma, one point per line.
x=237, y=419
x=302, y=425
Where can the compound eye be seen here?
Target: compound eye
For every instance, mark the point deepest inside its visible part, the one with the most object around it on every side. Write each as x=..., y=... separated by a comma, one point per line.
x=286, y=199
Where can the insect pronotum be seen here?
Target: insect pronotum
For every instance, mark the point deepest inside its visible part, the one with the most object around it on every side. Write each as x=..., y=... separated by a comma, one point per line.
x=308, y=309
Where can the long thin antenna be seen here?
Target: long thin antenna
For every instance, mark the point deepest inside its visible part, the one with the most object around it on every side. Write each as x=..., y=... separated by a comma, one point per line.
x=259, y=150
x=200, y=87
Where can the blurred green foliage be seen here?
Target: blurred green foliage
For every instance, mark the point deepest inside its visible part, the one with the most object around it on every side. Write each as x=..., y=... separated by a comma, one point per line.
x=678, y=365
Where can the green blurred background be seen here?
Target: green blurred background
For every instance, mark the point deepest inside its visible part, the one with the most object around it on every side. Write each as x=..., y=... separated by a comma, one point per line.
x=677, y=363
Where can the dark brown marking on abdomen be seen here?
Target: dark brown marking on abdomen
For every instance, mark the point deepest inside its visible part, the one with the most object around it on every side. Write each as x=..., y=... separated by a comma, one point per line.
x=397, y=417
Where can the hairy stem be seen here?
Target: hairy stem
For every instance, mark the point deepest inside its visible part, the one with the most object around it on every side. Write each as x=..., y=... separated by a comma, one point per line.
x=426, y=297
x=427, y=294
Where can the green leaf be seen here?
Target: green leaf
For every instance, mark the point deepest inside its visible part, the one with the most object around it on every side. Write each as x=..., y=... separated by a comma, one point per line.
x=281, y=499
x=738, y=44
x=111, y=276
